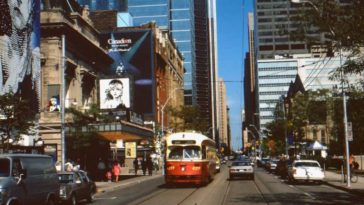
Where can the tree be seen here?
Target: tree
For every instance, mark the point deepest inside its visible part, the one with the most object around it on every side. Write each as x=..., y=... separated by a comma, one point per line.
x=15, y=118
x=342, y=26
x=190, y=117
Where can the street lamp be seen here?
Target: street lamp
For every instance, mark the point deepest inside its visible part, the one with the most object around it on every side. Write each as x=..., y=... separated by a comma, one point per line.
x=343, y=93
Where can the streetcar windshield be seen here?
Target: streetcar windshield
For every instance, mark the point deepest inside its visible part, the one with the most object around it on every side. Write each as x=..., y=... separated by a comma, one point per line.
x=188, y=152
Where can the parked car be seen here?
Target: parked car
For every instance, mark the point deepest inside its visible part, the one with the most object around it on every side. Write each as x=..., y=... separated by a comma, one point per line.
x=262, y=162
x=76, y=186
x=241, y=169
x=272, y=165
x=28, y=179
x=305, y=170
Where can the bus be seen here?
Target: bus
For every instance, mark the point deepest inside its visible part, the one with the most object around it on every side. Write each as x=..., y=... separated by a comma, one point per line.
x=190, y=158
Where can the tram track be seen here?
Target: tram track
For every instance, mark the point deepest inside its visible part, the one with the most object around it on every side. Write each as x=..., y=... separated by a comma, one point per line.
x=161, y=194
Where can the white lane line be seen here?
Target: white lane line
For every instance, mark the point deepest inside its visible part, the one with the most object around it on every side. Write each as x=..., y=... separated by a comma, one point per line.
x=105, y=198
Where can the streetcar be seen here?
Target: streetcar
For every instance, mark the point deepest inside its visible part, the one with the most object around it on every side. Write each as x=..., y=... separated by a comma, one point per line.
x=190, y=158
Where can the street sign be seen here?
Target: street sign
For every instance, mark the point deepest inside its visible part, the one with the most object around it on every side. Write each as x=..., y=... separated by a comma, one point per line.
x=350, y=132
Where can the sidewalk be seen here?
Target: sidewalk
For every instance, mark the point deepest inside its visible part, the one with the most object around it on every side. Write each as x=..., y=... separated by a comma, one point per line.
x=125, y=180
x=335, y=179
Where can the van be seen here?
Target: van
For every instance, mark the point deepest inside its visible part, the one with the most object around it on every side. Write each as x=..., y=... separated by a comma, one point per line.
x=28, y=179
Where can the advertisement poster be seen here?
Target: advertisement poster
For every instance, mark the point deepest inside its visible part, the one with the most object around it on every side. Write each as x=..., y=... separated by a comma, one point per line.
x=132, y=52
x=114, y=93
x=130, y=150
x=19, y=49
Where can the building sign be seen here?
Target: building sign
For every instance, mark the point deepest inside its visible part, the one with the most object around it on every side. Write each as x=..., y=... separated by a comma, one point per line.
x=135, y=118
x=114, y=93
x=132, y=52
x=130, y=149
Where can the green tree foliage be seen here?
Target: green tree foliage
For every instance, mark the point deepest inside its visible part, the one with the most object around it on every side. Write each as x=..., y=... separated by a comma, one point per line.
x=191, y=119
x=15, y=118
x=341, y=24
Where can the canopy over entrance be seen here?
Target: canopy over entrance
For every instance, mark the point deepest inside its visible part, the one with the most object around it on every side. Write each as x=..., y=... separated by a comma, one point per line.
x=316, y=146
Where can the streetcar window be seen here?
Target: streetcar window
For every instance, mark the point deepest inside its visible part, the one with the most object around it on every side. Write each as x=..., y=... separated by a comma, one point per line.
x=176, y=153
x=191, y=152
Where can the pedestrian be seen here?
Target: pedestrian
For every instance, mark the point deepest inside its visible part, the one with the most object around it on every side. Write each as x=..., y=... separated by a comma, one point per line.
x=144, y=166
x=136, y=165
x=150, y=166
x=351, y=160
x=109, y=175
x=101, y=167
x=116, y=170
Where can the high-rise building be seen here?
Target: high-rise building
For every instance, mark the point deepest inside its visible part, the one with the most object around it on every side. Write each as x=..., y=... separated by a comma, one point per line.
x=223, y=127
x=274, y=22
x=192, y=26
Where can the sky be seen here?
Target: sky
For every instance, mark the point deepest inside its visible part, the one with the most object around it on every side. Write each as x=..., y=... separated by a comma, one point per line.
x=232, y=44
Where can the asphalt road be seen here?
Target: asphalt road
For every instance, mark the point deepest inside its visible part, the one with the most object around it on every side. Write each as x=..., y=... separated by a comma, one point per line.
x=265, y=189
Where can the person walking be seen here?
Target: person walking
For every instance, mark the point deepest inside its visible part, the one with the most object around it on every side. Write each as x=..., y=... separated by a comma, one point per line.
x=136, y=165
x=144, y=166
x=116, y=170
x=101, y=167
x=150, y=166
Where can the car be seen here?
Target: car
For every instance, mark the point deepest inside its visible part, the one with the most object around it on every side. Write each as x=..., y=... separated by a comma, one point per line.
x=262, y=162
x=28, y=179
x=76, y=186
x=241, y=169
x=305, y=170
x=272, y=165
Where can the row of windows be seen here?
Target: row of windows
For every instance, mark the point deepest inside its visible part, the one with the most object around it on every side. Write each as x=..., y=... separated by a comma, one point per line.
x=274, y=84
x=277, y=76
x=272, y=67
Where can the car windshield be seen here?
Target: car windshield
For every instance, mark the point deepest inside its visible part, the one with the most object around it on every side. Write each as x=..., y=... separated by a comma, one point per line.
x=189, y=152
x=307, y=164
x=240, y=164
x=65, y=178
x=4, y=167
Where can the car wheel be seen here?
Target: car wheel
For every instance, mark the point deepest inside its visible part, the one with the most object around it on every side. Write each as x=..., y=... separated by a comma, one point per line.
x=73, y=200
x=90, y=197
x=230, y=177
x=252, y=177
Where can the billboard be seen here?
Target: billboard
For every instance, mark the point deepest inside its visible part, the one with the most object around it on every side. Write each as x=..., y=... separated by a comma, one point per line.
x=132, y=51
x=19, y=49
x=114, y=93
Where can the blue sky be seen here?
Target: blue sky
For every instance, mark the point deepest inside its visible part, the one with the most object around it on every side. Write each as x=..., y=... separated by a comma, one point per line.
x=232, y=45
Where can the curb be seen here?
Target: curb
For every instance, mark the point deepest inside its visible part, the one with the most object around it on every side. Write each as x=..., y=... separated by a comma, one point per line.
x=121, y=184
x=352, y=191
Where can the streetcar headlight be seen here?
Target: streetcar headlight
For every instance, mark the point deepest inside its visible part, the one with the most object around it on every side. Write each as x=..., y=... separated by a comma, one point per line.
x=169, y=168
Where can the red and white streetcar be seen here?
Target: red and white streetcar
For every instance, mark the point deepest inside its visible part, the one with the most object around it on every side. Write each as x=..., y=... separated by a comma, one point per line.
x=190, y=158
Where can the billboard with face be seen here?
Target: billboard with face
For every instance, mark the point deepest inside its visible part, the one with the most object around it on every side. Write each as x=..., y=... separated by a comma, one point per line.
x=132, y=52
x=19, y=49
x=114, y=93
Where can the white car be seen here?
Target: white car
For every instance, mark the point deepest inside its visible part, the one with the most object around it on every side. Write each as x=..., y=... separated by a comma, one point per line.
x=241, y=169
x=305, y=170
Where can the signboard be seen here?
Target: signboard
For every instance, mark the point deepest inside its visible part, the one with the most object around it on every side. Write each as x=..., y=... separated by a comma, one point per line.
x=350, y=132
x=130, y=149
x=114, y=93
x=132, y=52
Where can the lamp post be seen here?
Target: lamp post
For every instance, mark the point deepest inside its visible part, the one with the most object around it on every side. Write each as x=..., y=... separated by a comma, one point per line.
x=345, y=119
x=162, y=118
